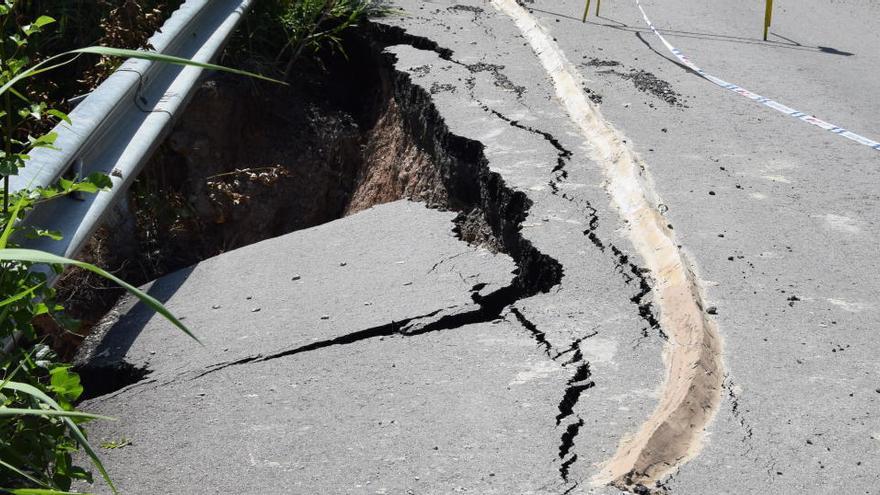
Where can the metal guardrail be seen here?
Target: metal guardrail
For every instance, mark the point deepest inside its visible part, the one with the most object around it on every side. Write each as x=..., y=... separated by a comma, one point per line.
x=120, y=124
x=116, y=128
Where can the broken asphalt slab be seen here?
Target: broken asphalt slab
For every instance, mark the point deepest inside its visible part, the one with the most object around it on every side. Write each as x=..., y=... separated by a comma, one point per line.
x=778, y=255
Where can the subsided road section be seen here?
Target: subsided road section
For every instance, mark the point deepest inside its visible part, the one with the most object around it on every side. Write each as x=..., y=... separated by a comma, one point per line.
x=535, y=398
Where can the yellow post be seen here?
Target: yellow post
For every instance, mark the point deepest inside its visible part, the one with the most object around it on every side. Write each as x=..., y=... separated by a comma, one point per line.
x=768, y=16
x=598, y=3
x=586, y=11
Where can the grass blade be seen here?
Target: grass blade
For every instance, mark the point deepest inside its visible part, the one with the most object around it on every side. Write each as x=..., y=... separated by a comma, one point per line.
x=20, y=295
x=36, y=491
x=74, y=430
x=21, y=473
x=168, y=59
x=122, y=53
x=34, y=256
x=10, y=222
x=19, y=411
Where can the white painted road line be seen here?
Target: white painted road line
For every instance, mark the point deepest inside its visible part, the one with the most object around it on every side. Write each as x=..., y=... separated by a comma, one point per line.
x=756, y=97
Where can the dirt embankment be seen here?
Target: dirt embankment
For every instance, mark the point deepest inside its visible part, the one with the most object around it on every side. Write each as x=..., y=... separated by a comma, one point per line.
x=249, y=162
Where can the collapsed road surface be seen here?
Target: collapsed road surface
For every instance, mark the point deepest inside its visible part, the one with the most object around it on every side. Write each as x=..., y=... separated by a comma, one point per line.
x=671, y=293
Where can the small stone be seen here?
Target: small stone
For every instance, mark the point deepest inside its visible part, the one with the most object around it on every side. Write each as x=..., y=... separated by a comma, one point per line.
x=325, y=317
x=249, y=297
x=343, y=264
x=215, y=306
x=295, y=277
x=711, y=193
x=712, y=310
x=255, y=310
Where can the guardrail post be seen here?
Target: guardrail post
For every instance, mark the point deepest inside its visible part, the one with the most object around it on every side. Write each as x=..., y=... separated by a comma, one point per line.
x=768, y=16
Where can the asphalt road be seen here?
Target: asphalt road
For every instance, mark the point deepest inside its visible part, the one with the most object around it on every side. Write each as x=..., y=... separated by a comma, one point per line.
x=775, y=219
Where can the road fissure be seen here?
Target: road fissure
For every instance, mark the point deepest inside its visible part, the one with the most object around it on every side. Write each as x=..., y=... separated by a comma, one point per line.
x=692, y=389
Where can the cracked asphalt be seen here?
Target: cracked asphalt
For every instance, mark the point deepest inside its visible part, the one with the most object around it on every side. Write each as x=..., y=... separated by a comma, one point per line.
x=369, y=355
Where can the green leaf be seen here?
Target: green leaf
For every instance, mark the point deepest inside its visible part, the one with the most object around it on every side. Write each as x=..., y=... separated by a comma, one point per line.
x=43, y=20
x=70, y=56
x=41, y=309
x=35, y=26
x=74, y=430
x=59, y=115
x=20, y=295
x=18, y=411
x=100, y=179
x=64, y=383
x=19, y=96
x=20, y=473
x=168, y=59
x=34, y=256
x=9, y=164
x=51, y=234
x=10, y=223
x=18, y=40
x=44, y=141
x=37, y=491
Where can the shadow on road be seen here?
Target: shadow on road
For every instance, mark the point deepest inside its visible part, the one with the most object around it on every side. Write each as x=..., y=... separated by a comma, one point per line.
x=786, y=43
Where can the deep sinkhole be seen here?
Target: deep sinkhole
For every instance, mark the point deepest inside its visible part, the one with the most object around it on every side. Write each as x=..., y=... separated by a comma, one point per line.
x=250, y=161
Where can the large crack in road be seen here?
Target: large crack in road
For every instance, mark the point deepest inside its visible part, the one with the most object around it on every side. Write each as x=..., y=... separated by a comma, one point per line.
x=692, y=391
x=503, y=210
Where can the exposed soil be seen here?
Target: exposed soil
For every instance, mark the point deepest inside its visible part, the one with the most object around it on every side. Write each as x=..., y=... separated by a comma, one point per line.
x=248, y=162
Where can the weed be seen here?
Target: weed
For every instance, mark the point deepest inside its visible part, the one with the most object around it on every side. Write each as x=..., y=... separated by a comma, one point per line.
x=39, y=426
x=293, y=28
x=116, y=444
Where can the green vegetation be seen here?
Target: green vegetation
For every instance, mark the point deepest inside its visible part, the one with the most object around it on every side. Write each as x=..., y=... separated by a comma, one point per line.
x=313, y=24
x=287, y=30
x=40, y=429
